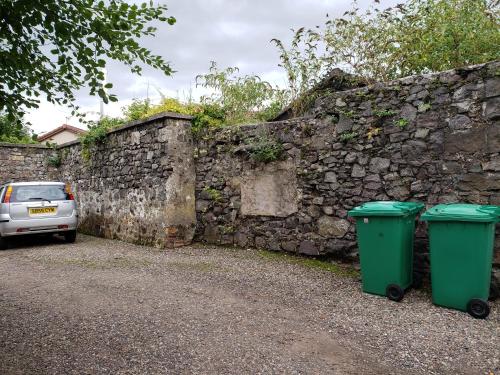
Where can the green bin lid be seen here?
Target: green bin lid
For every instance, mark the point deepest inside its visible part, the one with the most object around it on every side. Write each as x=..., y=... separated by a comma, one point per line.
x=462, y=212
x=387, y=208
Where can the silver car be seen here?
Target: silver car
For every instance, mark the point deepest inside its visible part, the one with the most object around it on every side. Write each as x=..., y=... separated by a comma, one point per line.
x=37, y=207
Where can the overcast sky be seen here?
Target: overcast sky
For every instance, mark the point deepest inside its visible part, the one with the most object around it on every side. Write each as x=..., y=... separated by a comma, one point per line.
x=231, y=32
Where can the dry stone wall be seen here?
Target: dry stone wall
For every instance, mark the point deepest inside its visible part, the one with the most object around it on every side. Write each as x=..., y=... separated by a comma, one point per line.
x=432, y=138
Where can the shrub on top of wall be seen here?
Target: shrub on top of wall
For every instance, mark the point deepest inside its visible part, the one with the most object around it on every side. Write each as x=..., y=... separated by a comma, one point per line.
x=97, y=134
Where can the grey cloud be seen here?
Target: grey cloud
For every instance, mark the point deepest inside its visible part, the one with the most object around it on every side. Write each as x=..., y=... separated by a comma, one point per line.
x=228, y=31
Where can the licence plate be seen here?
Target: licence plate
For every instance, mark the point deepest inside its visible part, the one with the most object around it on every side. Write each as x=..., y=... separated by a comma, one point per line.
x=42, y=211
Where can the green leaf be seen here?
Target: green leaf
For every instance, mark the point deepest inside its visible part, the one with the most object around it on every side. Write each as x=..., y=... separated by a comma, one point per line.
x=80, y=33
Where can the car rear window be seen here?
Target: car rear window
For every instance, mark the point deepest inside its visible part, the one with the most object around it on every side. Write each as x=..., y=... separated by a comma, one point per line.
x=33, y=193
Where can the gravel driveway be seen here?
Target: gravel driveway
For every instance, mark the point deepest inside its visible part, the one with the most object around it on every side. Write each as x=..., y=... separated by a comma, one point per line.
x=101, y=306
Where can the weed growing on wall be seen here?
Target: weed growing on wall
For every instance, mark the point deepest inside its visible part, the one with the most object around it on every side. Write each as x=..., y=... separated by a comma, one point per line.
x=97, y=134
x=384, y=113
x=372, y=132
x=265, y=149
x=308, y=130
x=214, y=194
x=54, y=160
x=348, y=114
x=424, y=107
x=348, y=136
x=401, y=123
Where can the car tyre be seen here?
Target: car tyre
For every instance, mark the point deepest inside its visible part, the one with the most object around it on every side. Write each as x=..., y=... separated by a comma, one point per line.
x=394, y=292
x=478, y=308
x=70, y=236
x=3, y=243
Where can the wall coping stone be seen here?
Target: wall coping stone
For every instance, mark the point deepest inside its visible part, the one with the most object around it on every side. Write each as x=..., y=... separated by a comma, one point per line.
x=22, y=145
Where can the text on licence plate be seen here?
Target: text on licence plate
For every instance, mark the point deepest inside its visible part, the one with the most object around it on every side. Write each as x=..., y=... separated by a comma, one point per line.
x=42, y=210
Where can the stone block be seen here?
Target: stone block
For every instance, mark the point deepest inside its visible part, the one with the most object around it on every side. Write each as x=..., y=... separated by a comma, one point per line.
x=314, y=211
x=328, y=210
x=399, y=193
x=460, y=123
x=345, y=124
x=479, y=181
x=492, y=87
x=308, y=248
x=454, y=142
x=290, y=246
x=332, y=227
x=379, y=165
x=421, y=133
x=429, y=120
x=358, y=171
x=463, y=106
x=351, y=157
x=491, y=165
x=408, y=112
x=260, y=242
x=330, y=177
x=491, y=108
x=492, y=137
x=135, y=138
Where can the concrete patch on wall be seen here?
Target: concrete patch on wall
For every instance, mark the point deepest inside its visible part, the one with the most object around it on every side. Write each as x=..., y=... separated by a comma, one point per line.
x=180, y=212
x=270, y=190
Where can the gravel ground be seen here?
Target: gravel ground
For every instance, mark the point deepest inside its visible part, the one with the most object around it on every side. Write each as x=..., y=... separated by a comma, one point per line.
x=100, y=306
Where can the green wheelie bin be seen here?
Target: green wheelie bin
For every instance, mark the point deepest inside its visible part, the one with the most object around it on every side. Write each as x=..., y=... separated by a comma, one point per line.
x=461, y=241
x=385, y=232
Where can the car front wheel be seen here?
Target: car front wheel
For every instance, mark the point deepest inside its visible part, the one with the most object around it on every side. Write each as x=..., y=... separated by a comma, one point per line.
x=70, y=236
x=3, y=243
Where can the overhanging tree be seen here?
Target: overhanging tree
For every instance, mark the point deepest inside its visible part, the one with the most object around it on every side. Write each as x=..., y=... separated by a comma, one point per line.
x=51, y=48
x=14, y=132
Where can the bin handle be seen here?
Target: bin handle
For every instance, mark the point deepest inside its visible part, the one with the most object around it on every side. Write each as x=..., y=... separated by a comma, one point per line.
x=492, y=210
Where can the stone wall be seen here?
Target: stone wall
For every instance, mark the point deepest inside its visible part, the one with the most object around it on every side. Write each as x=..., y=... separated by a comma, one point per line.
x=138, y=185
x=25, y=163
x=432, y=138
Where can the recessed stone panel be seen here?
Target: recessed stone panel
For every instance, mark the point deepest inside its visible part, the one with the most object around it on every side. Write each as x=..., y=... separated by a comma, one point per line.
x=269, y=190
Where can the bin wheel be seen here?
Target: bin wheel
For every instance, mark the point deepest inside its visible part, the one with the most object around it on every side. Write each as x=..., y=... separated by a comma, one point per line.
x=394, y=292
x=478, y=308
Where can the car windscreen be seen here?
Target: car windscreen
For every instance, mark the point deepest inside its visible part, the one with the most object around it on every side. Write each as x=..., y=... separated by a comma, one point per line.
x=33, y=193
